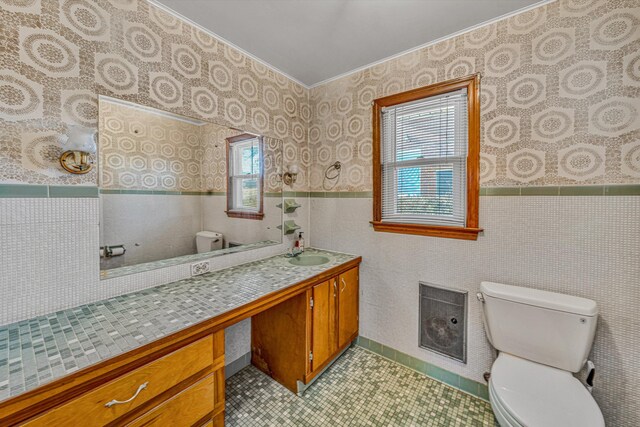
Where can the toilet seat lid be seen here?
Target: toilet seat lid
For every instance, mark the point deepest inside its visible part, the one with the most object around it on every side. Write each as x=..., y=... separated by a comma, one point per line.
x=539, y=395
x=209, y=234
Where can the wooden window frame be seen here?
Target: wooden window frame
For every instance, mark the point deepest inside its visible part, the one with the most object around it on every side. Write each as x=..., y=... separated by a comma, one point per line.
x=231, y=213
x=471, y=230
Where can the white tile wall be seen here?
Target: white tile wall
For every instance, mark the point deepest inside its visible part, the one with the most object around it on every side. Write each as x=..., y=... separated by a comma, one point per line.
x=586, y=246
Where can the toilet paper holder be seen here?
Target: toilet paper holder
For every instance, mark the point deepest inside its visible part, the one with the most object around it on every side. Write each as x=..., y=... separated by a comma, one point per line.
x=111, y=251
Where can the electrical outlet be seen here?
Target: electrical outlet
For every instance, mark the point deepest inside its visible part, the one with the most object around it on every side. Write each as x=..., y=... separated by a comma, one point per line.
x=199, y=268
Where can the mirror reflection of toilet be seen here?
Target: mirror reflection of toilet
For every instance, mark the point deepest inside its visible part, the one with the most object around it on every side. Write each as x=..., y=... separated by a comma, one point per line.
x=207, y=241
x=543, y=337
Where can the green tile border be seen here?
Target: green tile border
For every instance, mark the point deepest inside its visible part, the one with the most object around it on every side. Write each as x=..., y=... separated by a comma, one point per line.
x=27, y=191
x=164, y=193
x=342, y=194
x=72, y=191
x=622, y=190
x=466, y=385
x=23, y=190
x=81, y=191
x=576, y=190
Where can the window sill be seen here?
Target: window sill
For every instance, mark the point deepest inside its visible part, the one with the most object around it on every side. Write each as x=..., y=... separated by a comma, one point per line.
x=245, y=215
x=462, y=233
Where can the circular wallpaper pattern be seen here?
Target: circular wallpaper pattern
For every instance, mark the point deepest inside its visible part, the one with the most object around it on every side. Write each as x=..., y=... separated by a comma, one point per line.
x=51, y=53
x=553, y=46
x=142, y=42
x=165, y=89
x=614, y=116
x=502, y=131
x=502, y=59
x=525, y=165
x=580, y=161
x=552, y=124
x=82, y=108
x=87, y=18
x=17, y=96
x=582, y=79
x=615, y=29
x=117, y=74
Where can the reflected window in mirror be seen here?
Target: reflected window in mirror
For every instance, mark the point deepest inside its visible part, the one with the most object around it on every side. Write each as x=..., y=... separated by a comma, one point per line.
x=245, y=177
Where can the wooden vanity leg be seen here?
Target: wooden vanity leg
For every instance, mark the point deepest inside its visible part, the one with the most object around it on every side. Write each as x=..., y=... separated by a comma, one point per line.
x=219, y=380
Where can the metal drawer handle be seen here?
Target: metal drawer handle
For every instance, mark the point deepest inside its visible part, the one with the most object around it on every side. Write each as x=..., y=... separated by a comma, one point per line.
x=344, y=284
x=120, y=402
x=335, y=287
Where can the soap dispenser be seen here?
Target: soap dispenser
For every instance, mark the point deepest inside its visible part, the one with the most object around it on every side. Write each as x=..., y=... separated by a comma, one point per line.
x=300, y=242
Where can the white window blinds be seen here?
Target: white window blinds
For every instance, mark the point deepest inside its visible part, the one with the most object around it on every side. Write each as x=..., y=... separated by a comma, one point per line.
x=424, y=160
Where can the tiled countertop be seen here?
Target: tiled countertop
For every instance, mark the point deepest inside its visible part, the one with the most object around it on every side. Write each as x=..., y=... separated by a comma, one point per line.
x=39, y=350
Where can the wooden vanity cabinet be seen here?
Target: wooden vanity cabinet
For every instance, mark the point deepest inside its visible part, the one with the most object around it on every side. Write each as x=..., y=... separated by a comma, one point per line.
x=184, y=387
x=295, y=340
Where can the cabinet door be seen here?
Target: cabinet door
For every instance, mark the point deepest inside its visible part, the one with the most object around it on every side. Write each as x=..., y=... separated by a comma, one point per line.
x=347, y=306
x=324, y=340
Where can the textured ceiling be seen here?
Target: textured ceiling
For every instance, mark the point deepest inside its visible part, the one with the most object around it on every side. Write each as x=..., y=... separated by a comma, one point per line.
x=315, y=40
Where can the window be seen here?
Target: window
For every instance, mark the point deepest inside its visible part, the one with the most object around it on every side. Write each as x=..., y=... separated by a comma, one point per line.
x=426, y=160
x=244, y=177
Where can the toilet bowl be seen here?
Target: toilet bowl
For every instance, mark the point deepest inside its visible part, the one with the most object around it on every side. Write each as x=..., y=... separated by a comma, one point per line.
x=542, y=338
x=525, y=393
x=207, y=241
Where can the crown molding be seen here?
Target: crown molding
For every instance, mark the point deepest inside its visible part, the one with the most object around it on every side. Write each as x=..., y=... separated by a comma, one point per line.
x=431, y=43
x=161, y=6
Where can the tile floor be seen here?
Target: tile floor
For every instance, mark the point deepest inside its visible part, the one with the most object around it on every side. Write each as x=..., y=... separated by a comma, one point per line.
x=360, y=389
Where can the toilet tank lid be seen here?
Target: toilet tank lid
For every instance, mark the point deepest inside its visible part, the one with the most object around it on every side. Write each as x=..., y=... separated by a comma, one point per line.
x=211, y=234
x=538, y=298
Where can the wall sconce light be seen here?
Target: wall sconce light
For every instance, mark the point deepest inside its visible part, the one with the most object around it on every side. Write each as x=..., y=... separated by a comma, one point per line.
x=79, y=144
x=291, y=175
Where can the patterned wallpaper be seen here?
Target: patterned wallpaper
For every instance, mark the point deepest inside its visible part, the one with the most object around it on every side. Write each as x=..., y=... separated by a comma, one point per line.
x=143, y=150
x=560, y=97
x=56, y=56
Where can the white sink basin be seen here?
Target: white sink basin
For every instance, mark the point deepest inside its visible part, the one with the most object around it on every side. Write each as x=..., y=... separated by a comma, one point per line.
x=309, y=260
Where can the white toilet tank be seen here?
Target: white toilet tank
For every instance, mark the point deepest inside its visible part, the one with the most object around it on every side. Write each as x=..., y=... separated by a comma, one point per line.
x=207, y=241
x=545, y=327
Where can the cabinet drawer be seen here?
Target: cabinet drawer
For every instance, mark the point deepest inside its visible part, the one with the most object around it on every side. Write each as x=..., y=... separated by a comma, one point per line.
x=159, y=376
x=184, y=409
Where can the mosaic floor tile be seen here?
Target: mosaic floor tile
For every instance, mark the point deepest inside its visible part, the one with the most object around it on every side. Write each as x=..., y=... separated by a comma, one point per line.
x=360, y=389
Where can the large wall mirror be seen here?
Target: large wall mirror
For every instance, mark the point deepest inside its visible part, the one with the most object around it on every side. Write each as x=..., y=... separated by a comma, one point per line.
x=174, y=189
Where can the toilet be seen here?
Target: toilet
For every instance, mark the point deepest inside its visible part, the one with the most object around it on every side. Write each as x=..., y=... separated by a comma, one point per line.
x=207, y=241
x=542, y=338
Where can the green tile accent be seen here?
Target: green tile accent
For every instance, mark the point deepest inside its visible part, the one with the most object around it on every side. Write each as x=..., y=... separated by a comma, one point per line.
x=483, y=391
x=106, y=191
x=145, y=192
x=388, y=352
x=622, y=190
x=465, y=384
x=23, y=190
x=376, y=347
x=421, y=366
x=540, y=191
x=579, y=190
x=363, y=342
x=265, y=194
x=502, y=191
x=342, y=194
x=443, y=375
x=405, y=359
x=73, y=191
x=468, y=385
